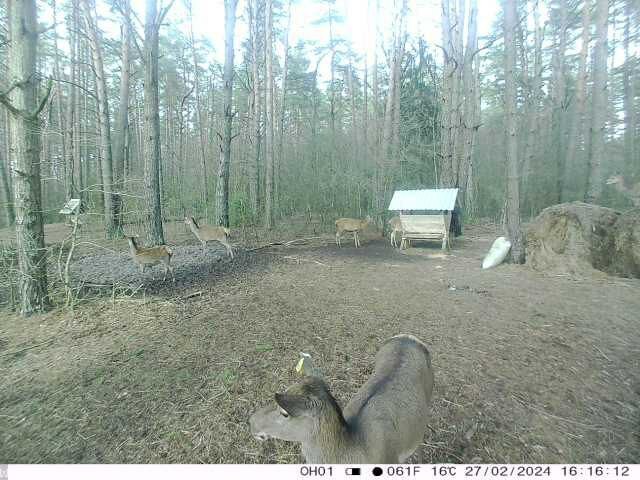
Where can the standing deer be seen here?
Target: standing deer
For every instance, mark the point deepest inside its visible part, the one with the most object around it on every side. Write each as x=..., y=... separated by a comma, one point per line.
x=147, y=257
x=632, y=192
x=351, y=225
x=207, y=233
x=383, y=423
x=395, y=227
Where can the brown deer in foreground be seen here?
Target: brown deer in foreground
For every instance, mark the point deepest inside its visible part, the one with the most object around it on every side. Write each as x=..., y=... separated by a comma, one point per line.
x=351, y=225
x=632, y=192
x=207, y=233
x=383, y=423
x=147, y=257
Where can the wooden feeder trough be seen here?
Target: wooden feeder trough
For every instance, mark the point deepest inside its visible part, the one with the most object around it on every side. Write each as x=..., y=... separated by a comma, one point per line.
x=425, y=214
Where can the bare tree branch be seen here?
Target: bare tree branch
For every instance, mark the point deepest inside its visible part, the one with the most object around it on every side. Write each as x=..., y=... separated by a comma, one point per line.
x=44, y=99
x=127, y=18
x=88, y=92
x=4, y=100
x=163, y=13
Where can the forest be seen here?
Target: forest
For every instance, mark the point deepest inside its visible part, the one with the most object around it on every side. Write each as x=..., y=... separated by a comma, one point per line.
x=137, y=134
x=131, y=113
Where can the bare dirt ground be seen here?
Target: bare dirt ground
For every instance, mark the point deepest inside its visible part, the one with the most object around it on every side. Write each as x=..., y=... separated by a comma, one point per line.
x=529, y=368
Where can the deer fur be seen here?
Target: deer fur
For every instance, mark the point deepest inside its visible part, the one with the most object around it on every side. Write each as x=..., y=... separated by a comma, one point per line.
x=208, y=233
x=350, y=225
x=147, y=257
x=395, y=227
x=383, y=423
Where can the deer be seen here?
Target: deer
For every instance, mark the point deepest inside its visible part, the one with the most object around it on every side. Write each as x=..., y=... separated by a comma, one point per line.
x=632, y=192
x=207, y=233
x=383, y=423
x=396, y=227
x=351, y=225
x=147, y=257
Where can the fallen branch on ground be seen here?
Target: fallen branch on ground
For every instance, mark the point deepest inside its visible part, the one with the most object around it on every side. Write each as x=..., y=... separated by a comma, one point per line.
x=194, y=294
x=15, y=352
x=298, y=259
x=295, y=241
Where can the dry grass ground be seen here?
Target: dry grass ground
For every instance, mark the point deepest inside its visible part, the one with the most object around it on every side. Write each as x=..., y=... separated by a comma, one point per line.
x=529, y=368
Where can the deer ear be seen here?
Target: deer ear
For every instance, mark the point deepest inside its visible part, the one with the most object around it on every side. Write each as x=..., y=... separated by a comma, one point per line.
x=293, y=404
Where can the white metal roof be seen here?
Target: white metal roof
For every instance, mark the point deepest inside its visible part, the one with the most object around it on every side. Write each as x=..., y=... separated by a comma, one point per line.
x=432, y=199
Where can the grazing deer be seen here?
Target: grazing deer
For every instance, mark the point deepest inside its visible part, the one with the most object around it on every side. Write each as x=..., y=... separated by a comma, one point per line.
x=207, y=233
x=632, y=192
x=147, y=257
x=383, y=423
x=351, y=225
x=396, y=227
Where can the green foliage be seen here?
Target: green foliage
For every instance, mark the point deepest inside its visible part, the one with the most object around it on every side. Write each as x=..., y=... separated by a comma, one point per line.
x=240, y=211
x=419, y=110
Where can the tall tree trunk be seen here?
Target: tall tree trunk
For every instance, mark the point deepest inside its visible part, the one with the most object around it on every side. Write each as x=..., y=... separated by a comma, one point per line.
x=104, y=124
x=60, y=109
x=365, y=90
x=83, y=159
x=558, y=116
x=629, y=79
x=513, y=192
x=283, y=103
x=447, y=131
x=391, y=123
x=597, y=130
x=22, y=102
x=6, y=199
x=75, y=109
x=397, y=85
x=387, y=125
x=122, y=118
x=470, y=121
x=152, y=154
x=72, y=189
x=201, y=151
x=377, y=158
x=532, y=106
x=576, y=128
x=470, y=191
x=349, y=80
x=222, y=192
x=332, y=90
x=253, y=8
x=269, y=118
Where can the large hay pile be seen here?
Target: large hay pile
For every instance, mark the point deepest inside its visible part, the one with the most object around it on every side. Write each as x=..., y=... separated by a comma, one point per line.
x=575, y=238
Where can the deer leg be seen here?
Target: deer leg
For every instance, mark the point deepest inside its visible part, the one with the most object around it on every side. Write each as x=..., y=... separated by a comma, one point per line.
x=338, y=238
x=170, y=268
x=355, y=237
x=229, y=249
